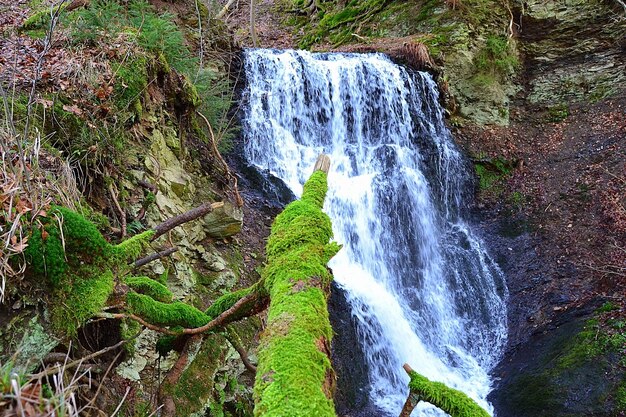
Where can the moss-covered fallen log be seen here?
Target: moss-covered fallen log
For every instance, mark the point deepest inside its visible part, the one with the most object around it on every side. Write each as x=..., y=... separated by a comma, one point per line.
x=451, y=401
x=294, y=375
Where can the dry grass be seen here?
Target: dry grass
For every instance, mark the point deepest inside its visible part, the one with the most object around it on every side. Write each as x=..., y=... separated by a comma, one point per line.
x=453, y=4
x=30, y=179
x=42, y=397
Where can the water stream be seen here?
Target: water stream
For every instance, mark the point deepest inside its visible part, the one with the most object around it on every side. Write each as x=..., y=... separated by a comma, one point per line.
x=421, y=287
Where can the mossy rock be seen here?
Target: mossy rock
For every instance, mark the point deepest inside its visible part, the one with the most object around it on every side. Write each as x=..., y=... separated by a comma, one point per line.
x=577, y=371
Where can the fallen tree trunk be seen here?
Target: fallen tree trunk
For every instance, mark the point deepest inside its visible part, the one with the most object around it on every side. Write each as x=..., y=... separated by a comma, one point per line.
x=294, y=374
x=452, y=401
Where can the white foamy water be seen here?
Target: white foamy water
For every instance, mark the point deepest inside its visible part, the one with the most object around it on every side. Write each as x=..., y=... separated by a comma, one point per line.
x=421, y=286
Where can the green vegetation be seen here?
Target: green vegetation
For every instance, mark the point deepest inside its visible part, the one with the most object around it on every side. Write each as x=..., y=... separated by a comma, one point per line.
x=491, y=172
x=452, y=401
x=594, y=354
x=149, y=287
x=497, y=56
x=595, y=340
x=108, y=20
x=294, y=375
x=68, y=253
x=165, y=314
x=338, y=22
x=558, y=113
x=195, y=386
x=40, y=19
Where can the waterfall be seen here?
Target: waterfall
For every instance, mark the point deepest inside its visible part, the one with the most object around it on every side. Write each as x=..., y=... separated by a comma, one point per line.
x=421, y=287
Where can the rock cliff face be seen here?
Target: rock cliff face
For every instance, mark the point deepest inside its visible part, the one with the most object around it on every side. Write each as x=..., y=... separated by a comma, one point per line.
x=574, y=50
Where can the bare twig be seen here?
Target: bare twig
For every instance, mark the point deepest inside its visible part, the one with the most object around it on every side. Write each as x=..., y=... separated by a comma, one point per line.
x=234, y=340
x=120, y=211
x=218, y=155
x=80, y=361
x=119, y=406
x=188, y=216
x=224, y=9
x=154, y=257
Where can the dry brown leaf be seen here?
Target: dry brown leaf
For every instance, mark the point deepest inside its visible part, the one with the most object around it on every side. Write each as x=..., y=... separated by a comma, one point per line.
x=73, y=109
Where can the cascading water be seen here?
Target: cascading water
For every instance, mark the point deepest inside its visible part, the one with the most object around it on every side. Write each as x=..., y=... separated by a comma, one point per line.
x=420, y=285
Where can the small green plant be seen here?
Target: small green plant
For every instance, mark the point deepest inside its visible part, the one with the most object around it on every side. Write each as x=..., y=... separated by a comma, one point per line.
x=491, y=172
x=558, y=113
x=497, y=57
x=517, y=199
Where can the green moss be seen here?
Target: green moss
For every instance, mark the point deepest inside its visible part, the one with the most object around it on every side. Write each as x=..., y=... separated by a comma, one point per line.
x=195, y=385
x=82, y=301
x=338, y=22
x=558, y=113
x=534, y=395
x=67, y=252
x=591, y=342
x=452, y=401
x=227, y=301
x=54, y=250
x=166, y=314
x=294, y=375
x=129, y=329
x=131, y=248
x=491, y=173
x=150, y=287
x=620, y=397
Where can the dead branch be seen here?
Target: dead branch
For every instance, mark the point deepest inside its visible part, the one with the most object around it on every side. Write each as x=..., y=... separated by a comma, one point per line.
x=154, y=257
x=78, y=362
x=224, y=9
x=120, y=211
x=92, y=402
x=218, y=155
x=255, y=301
x=322, y=163
x=409, y=405
x=77, y=4
x=138, y=319
x=188, y=216
x=148, y=186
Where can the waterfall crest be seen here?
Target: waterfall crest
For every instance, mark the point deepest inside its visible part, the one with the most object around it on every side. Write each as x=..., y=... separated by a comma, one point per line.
x=421, y=286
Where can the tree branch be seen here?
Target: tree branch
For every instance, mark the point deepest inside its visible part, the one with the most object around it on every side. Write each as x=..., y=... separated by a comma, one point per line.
x=154, y=257
x=251, y=304
x=72, y=364
x=258, y=304
x=188, y=216
x=174, y=374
